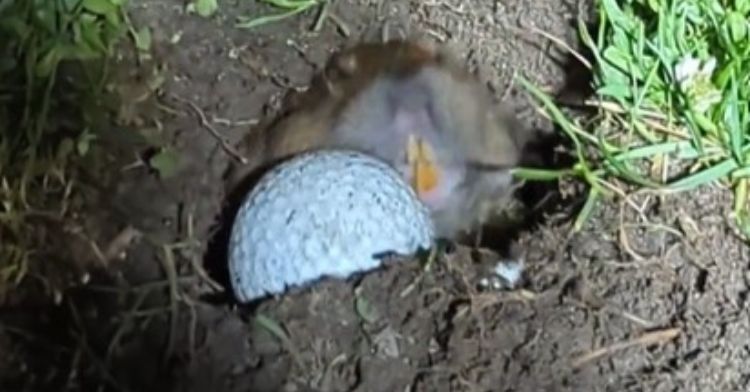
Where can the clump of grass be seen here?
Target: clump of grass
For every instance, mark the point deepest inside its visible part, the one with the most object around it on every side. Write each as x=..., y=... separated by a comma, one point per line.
x=37, y=38
x=672, y=81
x=289, y=8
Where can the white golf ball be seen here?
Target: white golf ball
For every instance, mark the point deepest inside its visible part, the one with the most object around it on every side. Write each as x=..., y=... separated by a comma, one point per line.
x=327, y=213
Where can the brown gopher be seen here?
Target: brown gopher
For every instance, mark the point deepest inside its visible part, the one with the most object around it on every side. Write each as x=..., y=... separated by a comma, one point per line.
x=411, y=104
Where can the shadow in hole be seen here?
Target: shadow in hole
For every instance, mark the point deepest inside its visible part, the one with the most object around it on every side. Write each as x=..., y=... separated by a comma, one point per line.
x=539, y=198
x=40, y=335
x=55, y=340
x=217, y=255
x=578, y=78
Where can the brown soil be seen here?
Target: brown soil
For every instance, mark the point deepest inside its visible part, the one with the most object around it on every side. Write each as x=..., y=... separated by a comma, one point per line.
x=648, y=296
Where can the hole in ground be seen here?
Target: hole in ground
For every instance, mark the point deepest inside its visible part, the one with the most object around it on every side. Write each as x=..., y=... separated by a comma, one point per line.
x=217, y=254
x=539, y=199
x=546, y=151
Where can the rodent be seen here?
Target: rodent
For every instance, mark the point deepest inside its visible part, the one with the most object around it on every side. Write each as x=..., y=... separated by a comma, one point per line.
x=412, y=104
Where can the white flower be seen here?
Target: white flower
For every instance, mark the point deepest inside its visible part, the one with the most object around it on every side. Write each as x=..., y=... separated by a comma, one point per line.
x=694, y=79
x=689, y=71
x=686, y=68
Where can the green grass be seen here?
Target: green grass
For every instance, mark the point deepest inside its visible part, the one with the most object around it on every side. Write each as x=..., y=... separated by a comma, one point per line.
x=288, y=9
x=37, y=39
x=672, y=82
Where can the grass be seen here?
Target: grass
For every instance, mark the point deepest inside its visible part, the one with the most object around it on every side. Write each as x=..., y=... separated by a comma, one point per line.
x=672, y=85
x=286, y=9
x=289, y=8
x=40, y=38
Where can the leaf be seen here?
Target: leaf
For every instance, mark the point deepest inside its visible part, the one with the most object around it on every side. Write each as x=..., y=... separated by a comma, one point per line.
x=653, y=4
x=732, y=121
x=616, y=57
x=249, y=23
x=101, y=7
x=737, y=26
x=165, y=162
x=91, y=32
x=47, y=19
x=587, y=209
x=704, y=176
x=290, y=4
x=365, y=310
x=84, y=143
x=682, y=149
x=17, y=26
x=621, y=41
x=70, y=5
x=204, y=8
x=567, y=126
x=142, y=39
x=540, y=174
x=273, y=327
x=742, y=6
x=49, y=62
x=622, y=169
x=151, y=136
x=615, y=90
x=79, y=52
x=615, y=13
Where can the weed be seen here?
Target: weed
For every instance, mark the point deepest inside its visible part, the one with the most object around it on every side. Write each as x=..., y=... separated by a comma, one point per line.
x=672, y=83
x=289, y=8
x=204, y=8
x=39, y=39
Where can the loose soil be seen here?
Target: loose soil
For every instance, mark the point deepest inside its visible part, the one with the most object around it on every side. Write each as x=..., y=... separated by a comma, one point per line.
x=649, y=295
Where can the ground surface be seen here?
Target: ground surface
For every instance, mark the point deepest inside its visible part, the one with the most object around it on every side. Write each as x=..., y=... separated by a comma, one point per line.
x=600, y=310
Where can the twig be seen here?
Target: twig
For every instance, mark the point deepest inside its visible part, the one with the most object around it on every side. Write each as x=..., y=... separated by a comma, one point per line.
x=617, y=108
x=195, y=261
x=277, y=331
x=121, y=242
x=235, y=123
x=171, y=270
x=623, y=236
x=632, y=317
x=564, y=45
x=203, y=275
x=322, y=16
x=75, y=365
x=124, y=324
x=647, y=339
x=149, y=312
x=83, y=345
x=431, y=257
x=145, y=287
x=231, y=151
x=340, y=24
x=193, y=327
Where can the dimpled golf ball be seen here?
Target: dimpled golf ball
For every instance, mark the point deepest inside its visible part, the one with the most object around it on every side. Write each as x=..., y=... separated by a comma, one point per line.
x=326, y=213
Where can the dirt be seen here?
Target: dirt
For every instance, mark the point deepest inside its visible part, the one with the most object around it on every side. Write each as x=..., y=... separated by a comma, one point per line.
x=649, y=295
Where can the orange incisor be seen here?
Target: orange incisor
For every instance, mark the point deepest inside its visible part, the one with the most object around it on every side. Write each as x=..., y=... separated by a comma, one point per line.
x=421, y=159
